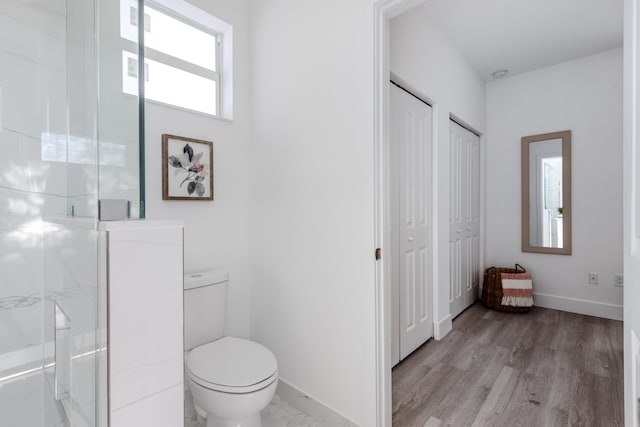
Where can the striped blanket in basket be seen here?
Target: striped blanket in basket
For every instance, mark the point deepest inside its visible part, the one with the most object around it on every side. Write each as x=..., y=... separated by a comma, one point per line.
x=517, y=289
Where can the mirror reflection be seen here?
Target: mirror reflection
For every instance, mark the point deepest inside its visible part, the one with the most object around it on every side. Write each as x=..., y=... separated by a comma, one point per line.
x=546, y=193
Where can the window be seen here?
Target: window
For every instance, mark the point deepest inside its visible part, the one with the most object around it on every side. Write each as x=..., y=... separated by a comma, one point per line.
x=186, y=60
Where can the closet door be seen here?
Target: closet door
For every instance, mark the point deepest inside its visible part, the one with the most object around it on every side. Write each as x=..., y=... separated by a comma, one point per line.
x=411, y=217
x=464, y=218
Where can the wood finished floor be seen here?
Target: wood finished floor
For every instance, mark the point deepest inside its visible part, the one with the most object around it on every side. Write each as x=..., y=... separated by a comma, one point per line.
x=542, y=368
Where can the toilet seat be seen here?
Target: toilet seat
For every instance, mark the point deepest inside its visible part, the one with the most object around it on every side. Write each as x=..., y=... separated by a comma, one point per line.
x=232, y=365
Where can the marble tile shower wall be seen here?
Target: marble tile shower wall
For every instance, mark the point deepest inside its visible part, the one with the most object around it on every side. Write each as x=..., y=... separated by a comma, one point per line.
x=32, y=107
x=41, y=169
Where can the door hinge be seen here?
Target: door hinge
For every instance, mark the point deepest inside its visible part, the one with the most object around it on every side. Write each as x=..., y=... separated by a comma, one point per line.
x=378, y=254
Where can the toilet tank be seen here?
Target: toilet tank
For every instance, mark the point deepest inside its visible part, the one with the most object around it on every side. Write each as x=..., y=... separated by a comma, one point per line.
x=205, y=302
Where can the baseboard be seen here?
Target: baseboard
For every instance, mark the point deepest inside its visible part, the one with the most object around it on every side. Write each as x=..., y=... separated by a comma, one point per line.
x=321, y=413
x=443, y=327
x=580, y=306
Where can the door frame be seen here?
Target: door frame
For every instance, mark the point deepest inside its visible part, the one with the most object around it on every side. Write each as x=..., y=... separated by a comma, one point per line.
x=384, y=11
x=631, y=197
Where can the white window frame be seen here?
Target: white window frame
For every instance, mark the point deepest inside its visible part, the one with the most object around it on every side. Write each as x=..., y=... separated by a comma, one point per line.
x=204, y=21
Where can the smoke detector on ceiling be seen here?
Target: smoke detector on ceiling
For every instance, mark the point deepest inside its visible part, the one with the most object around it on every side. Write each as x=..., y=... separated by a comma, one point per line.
x=498, y=74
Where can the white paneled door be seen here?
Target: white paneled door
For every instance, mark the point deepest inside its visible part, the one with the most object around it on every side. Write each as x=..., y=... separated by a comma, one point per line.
x=464, y=218
x=410, y=170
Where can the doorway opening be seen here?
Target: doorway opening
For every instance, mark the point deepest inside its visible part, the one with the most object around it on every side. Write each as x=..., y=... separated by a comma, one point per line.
x=443, y=107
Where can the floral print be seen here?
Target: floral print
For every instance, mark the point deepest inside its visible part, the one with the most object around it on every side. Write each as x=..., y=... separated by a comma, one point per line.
x=190, y=165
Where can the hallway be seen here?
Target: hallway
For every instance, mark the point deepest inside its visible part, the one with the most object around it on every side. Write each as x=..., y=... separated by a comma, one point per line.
x=543, y=368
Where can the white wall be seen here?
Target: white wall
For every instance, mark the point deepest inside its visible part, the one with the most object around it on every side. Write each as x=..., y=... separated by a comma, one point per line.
x=433, y=68
x=584, y=96
x=312, y=199
x=216, y=234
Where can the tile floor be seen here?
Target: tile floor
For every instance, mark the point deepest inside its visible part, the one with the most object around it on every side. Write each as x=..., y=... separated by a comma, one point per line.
x=278, y=414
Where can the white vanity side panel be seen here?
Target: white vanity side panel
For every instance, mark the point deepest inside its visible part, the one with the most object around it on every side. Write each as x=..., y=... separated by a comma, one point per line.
x=145, y=317
x=157, y=411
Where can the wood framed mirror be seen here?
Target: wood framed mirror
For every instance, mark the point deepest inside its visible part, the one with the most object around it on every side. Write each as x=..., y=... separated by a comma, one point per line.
x=546, y=193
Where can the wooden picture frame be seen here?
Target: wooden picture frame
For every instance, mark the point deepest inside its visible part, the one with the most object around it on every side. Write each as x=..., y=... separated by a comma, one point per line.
x=187, y=168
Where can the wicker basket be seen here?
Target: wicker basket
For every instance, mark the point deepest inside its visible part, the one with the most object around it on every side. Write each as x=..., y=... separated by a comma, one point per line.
x=492, y=288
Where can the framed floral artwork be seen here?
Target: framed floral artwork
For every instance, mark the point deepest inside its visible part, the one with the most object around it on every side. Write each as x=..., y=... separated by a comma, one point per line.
x=187, y=168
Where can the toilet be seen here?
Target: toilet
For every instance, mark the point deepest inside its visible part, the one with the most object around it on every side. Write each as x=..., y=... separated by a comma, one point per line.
x=231, y=379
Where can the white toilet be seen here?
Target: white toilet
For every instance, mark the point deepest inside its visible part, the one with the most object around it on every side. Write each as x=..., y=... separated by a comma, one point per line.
x=231, y=379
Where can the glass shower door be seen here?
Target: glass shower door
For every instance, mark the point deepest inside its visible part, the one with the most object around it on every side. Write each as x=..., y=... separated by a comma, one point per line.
x=32, y=186
x=48, y=260
x=70, y=136
x=71, y=238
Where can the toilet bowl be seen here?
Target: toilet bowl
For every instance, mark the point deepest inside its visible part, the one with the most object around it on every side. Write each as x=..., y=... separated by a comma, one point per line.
x=231, y=379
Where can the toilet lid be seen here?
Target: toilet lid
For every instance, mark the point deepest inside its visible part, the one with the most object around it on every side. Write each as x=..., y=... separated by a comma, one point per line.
x=232, y=362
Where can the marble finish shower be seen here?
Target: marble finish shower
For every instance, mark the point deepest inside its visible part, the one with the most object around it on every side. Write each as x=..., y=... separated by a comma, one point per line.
x=69, y=137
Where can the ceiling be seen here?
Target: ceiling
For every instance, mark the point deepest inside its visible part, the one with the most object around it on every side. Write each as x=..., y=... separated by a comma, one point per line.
x=524, y=35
